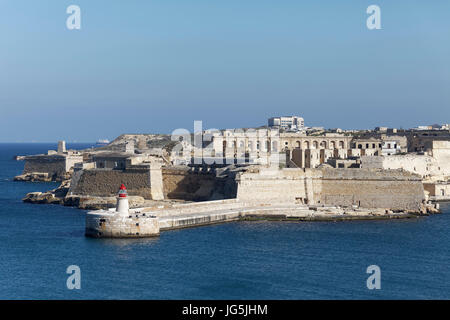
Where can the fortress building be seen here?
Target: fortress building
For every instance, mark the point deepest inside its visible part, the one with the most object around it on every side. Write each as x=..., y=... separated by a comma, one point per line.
x=53, y=166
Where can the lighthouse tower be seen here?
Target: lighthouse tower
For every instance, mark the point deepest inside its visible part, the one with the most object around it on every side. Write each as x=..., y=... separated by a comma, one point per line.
x=122, y=201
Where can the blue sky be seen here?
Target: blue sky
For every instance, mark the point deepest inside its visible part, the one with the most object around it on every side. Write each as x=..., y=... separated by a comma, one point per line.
x=156, y=65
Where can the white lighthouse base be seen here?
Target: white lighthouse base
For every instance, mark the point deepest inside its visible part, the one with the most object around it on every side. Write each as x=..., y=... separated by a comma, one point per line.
x=111, y=224
x=122, y=206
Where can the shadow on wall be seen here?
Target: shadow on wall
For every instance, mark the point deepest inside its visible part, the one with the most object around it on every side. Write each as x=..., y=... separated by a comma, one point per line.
x=187, y=185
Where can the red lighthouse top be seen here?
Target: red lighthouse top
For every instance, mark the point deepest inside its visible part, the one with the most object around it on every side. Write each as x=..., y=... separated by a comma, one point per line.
x=122, y=191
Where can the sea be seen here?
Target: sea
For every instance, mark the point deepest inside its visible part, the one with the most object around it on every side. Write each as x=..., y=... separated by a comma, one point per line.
x=40, y=244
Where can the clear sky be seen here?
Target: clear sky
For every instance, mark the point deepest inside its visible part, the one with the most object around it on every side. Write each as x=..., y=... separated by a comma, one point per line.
x=152, y=66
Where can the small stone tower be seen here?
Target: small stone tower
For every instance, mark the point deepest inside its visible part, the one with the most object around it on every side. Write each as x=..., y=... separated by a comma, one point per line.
x=129, y=146
x=61, y=146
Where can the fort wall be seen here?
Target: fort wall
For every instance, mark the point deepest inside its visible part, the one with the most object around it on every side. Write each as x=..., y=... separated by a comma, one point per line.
x=56, y=166
x=281, y=186
x=104, y=182
x=147, y=181
x=182, y=183
x=395, y=190
x=45, y=164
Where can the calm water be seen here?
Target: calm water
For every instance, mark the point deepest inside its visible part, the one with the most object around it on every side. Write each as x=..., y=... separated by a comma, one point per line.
x=242, y=260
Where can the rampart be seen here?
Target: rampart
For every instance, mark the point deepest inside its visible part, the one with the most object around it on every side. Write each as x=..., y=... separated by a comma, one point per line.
x=149, y=183
x=186, y=184
x=391, y=189
x=56, y=166
x=394, y=190
x=104, y=182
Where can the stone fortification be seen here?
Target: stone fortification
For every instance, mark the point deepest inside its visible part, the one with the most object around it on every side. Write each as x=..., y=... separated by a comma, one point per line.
x=54, y=167
x=184, y=183
x=104, y=182
x=147, y=181
x=281, y=186
x=395, y=190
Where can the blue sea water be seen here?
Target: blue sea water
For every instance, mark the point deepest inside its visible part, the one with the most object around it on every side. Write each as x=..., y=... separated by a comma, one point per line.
x=242, y=260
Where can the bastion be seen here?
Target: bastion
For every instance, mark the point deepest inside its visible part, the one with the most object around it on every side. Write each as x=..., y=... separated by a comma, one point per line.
x=365, y=188
x=53, y=166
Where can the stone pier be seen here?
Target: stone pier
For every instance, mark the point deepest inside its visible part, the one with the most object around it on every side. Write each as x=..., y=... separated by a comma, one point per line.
x=108, y=224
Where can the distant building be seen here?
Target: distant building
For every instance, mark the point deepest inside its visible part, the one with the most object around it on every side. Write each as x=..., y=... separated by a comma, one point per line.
x=288, y=123
x=390, y=147
x=52, y=166
x=421, y=128
x=381, y=129
x=111, y=160
x=367, y=146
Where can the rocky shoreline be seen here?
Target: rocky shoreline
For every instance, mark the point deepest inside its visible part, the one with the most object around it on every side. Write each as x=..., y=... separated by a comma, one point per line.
x=41, y=177
x=59, y=196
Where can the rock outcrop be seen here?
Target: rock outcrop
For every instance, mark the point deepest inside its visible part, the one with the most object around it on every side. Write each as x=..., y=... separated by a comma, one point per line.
x=59, y=196
x=34, y=177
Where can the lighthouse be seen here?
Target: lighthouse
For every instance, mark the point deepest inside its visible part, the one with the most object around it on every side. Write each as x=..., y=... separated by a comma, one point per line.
x=122, y=222
x=122, y=201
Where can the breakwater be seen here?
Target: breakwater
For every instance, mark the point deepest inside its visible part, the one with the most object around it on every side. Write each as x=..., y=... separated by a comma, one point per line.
x=145, y=222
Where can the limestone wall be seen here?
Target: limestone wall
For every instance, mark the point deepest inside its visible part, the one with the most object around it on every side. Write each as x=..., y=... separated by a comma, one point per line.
x=145, y=181
x=429, y=167
x=279, y=186
x=104, y=182
x=179, y=183
x=55, y=165
x=394, y=190
x=45, y=164
x=71, y=160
